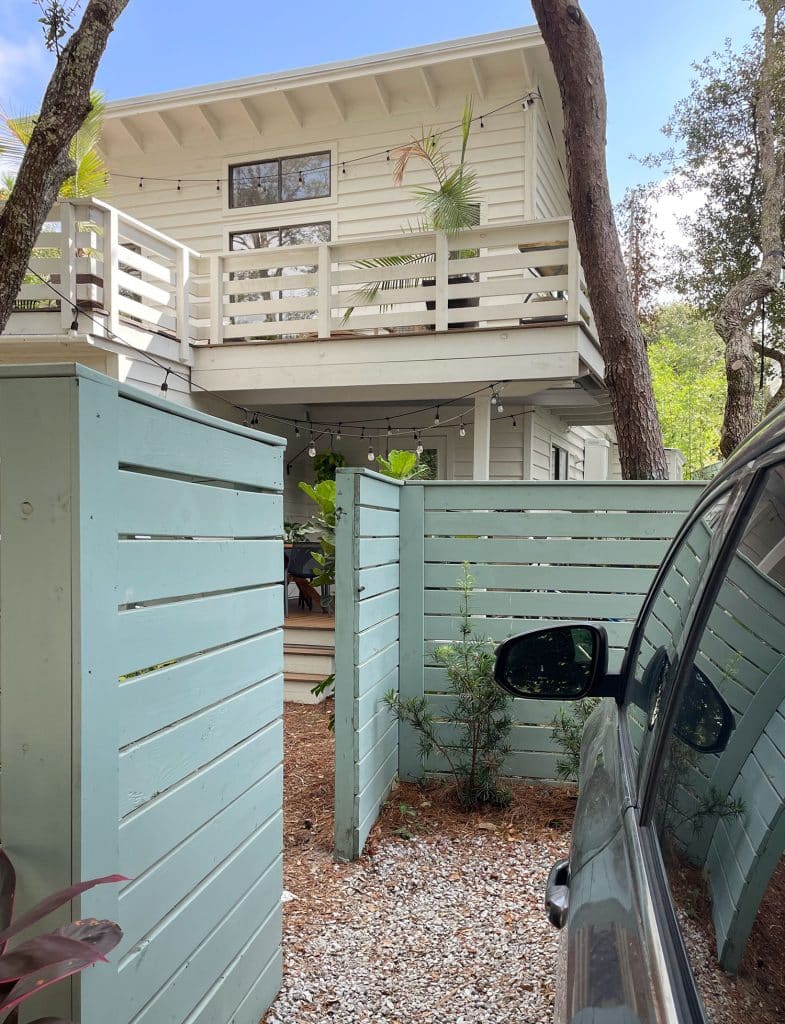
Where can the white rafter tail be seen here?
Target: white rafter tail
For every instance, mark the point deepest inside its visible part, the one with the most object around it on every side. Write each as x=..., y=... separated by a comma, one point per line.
x=253, y=115
x=171, y=127
x=292, y=107
x=211, y=121
x=336, y=101
x=134, y=134
x=429, y=86
x=381, y=92
x=479, y=81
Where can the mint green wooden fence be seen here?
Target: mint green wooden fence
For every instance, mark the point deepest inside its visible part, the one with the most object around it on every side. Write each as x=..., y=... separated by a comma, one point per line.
x=141, y=672
x=367, y=631
x=540, y=553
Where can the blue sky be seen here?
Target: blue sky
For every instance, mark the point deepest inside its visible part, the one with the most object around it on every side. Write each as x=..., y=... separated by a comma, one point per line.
x=166, y=44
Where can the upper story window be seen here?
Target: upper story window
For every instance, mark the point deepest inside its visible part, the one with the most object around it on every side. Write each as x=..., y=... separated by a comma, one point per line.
x=560, y=463
x=285, y=179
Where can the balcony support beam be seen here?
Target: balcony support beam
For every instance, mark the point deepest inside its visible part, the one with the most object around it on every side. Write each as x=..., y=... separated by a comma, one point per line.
x=482, y=437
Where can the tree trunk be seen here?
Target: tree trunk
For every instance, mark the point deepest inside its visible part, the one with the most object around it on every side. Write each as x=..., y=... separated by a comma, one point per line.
x=735, y=316
x=46, y=163
x=577, y=62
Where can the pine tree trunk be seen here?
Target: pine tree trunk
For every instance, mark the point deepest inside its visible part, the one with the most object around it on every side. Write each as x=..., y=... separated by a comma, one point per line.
x=577, y=62
x=46, y=163
x=736, y=314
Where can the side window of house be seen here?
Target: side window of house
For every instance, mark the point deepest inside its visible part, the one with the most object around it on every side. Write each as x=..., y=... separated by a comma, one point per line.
x=720, y=807
x=654, y=660
x=560, y=463
x=285, y=179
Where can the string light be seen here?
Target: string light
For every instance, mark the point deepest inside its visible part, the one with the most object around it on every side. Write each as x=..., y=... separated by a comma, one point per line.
x=217, y=184
x=296, y=429
x=499, y=406
x=75, y=322
x=436, y=420
x=389, y=427
x=494, y=399
x=338, y=435
x=419, y=449
x=179, y=185
x=462, y=429
x=371, y=454
x=525, y=102
x=311, y=449
x=165, y=383
x=514, y=423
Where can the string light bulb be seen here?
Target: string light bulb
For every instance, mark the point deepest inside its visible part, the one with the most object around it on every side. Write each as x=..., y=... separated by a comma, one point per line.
x=311, y=449
x=514, y=423
x=436, y=420
x=296, y=429
x=461, y=430
x=482, y=123
x=141, y=183
x=338, y=435
x=389, y=427
x=419, y=448
x=371, y=453
x=499, y=406
x=494, y=399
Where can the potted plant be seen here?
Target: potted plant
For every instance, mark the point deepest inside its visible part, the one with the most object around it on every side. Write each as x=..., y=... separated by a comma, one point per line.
x=451, y=205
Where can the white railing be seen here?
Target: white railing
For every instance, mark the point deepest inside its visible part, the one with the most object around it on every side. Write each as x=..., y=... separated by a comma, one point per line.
x=129, y=280
x=133, y=281
x=504, y=275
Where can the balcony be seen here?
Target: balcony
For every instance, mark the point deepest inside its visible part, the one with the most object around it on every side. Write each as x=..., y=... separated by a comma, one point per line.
x=286, y=322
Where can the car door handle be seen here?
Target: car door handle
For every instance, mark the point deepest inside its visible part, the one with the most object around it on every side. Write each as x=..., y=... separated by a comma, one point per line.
x=557, y=893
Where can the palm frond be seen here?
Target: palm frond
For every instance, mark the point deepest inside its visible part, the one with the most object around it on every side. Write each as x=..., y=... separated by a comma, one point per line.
x=466, y=126
x=453, y=206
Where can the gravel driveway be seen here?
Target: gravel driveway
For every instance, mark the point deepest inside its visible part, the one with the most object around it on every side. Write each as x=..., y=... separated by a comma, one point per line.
x=444, y=930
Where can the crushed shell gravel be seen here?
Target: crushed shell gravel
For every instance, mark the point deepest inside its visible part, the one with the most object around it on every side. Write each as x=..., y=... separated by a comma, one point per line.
x=441, y=931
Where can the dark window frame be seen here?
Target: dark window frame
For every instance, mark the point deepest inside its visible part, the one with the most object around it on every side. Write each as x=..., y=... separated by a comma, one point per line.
x=280, y=228
x=560, y=462
x=279, y=160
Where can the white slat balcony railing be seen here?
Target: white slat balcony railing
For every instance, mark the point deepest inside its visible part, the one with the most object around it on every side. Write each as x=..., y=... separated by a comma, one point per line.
x=135, y=282
x=504, y=275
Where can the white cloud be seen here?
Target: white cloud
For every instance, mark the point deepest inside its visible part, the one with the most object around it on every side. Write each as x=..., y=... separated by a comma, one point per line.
x=670, y=208
x=24, y=69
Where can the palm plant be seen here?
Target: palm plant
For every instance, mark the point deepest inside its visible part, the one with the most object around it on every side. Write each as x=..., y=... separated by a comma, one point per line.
x=90, y=178
x=450, y=205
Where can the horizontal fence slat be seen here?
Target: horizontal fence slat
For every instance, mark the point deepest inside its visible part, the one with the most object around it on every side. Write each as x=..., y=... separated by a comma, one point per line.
x=600, y=552
x=154, y=569
x=151, y=701
x=580, y=578
x=156, y=763
x=159, y=633
x=152, y=831
x=445, y=628
x=526, y=603
x=377, y=551
x=379, y=493
x=155, y=505
x=153, y=439
x=377, y=522
x=373, y=610
x=373, y=640
x=640, y=496
x=546, y=524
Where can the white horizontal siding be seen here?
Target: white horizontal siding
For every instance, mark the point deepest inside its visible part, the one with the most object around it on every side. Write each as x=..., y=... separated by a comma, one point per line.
x=551, y=198
x=366, y=200
x=547, y=430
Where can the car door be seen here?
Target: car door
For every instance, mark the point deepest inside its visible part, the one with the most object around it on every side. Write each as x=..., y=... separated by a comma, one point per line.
x=710, y=817
x=614, y=961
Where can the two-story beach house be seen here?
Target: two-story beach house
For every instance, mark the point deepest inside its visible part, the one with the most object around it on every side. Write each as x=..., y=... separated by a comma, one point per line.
x=244, y=218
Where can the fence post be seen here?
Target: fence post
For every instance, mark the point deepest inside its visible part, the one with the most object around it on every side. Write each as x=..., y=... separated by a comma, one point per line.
x=346, y=629
x=573, y=276
x=442, y=267
x=216, y=300
x=112, y=269
x=324, y=289
x=58, y=726
x=67, y=263
x=412, y=588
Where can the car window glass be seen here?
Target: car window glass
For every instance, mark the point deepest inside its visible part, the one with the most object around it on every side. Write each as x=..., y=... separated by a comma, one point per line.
x=654, y=659
x=720, y=789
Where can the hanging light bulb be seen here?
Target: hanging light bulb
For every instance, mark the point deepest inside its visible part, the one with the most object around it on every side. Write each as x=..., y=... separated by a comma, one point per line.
x=311, y=449
x=389, y=428
x=494, y=399
x=371, y=453
x=514, y=423
x=338, y=435
x=461, y=430
x=499, y=406
x=420, y=448
x=436, y=420
x=482, y=123
x=296, y=429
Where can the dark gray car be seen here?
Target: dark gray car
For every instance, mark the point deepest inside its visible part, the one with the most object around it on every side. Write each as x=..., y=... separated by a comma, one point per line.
x=680, y=822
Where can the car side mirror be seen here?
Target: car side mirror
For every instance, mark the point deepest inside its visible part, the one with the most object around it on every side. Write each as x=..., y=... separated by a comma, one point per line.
x=557, y=663
x=703, y=721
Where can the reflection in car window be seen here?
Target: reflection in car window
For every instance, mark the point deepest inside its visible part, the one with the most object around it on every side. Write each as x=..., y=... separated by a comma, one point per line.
x=655, y=660
x=720, y=810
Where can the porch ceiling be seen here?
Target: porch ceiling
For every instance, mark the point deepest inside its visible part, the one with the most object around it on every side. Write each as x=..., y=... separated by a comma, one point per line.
x=384, y=85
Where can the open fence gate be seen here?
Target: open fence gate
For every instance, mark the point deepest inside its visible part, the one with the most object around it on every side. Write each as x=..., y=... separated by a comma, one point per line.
x=540, y=552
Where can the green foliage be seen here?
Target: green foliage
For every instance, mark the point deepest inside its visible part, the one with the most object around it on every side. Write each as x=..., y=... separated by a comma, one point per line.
x=567, y=731
x=402, y=465
x=326, y=463
x=451, y=205
x=688, y=376
x=323, y=523
x=91, y=177
x=473, y=734
x=295, y=533
x=56, y=21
